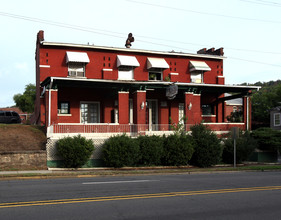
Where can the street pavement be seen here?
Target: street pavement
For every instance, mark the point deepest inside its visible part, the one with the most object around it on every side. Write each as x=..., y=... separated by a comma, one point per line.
x=233, y=195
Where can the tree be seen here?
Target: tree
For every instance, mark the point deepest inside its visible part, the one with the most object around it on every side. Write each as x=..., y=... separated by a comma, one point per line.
x=269, y=96
x=26, y=100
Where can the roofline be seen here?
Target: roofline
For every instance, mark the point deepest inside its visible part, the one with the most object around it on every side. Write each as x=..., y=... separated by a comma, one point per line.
x=130, y=50
x=149, y=83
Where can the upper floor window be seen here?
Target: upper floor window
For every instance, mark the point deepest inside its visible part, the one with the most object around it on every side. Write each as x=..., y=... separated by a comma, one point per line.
x=126, y=66
x=76, y=63
x=76, y=69
x=197, y=70
x=155, y=68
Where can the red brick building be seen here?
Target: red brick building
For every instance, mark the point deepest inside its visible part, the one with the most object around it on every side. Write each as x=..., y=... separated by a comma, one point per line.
x=99, y=90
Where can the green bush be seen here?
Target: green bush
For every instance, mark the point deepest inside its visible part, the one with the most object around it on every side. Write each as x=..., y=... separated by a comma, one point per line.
x=75, y=151
x=268, y=139
x=245, y=145
x=208, y=150
x=178, y=150
x=151, y=150
x=120, y=151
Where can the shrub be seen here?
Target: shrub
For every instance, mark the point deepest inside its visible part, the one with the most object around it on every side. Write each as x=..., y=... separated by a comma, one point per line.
x=121, y=151
x=208, y=150
x=268, y=139
x=178, y=150
x=75, y=151
x=245, y=145
x=151, y=150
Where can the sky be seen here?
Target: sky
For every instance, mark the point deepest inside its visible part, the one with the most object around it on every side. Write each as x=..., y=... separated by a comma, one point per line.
x=248, y=30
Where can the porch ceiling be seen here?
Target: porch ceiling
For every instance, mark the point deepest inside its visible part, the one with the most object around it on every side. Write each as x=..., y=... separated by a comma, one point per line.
x=143, y=85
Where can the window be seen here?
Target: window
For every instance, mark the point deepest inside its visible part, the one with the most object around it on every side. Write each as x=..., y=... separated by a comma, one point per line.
x=76, y=69
x=155, y=75
x=64, y=108
x=277, y=119
x=196, y=77
x=90, y=112
x=207, y=110
x=181, y=113
x=126, y=73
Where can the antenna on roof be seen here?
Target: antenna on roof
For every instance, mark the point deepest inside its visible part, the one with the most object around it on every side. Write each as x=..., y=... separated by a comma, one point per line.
x=129, y=40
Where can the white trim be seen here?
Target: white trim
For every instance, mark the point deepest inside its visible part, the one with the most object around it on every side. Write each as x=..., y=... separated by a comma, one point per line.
x=107, y=70
x=197, y=94
x=174, y=74
x=122, y=92
x=44, y=66
x=64, y=114
x=212, y=116
x=220, y=76
x=189, y=93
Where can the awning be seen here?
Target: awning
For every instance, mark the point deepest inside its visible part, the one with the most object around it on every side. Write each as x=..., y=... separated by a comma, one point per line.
x=157, y=63
x=77, y=57
x=127, y=61
x=199, y=65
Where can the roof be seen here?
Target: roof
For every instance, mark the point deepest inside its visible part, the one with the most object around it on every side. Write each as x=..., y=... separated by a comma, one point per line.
x=130, y=50
x=127, y=84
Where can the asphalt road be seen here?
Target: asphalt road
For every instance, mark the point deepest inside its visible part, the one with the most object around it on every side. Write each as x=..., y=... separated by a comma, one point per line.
x=241, y=195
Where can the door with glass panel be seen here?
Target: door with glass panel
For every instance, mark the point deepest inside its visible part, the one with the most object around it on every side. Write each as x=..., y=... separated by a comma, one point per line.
x=90, y=112
x=152, y=115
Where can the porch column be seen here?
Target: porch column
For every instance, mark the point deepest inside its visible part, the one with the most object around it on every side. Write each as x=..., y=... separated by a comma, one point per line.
x=54, y=106
x=123, y=107
x=188, y=107
x=197, y=108
x=220, y=111
x=46, y=110
x=247, y=112
x=139, y=107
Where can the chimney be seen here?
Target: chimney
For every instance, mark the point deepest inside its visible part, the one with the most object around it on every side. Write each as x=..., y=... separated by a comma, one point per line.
x=219, y=52
x=202, y=51
x=40, y=36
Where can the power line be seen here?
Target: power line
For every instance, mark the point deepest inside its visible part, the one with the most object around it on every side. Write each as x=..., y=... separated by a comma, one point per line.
x=205, y=13
x=113, y=34
x=261, y=2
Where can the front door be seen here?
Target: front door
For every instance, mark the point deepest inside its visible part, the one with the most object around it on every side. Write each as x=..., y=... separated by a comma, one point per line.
x=152, y=115
x=90, y=112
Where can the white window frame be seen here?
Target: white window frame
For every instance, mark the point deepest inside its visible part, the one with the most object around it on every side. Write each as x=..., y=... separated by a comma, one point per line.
x=76, y=69
x=277, y=117
x=98, y=118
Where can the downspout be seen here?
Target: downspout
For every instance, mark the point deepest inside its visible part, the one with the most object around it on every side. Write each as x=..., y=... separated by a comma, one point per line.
x=50, y=89
x=247, y=125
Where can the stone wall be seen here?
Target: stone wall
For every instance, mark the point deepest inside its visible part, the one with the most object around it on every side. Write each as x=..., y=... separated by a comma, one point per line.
x=23, y=160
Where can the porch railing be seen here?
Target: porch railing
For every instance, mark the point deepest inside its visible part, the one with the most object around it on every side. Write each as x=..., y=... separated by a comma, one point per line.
x=137, y=129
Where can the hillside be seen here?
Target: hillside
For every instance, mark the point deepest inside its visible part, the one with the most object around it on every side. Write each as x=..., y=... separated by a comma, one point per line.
x=18, y=137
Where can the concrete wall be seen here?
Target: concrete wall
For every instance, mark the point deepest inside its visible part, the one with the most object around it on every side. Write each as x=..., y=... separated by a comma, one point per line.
x=23, y=160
